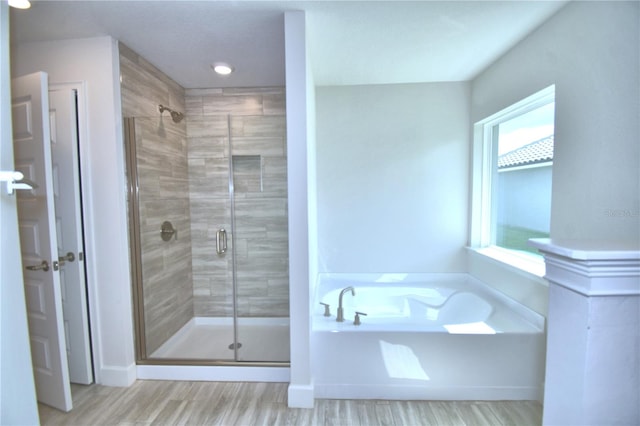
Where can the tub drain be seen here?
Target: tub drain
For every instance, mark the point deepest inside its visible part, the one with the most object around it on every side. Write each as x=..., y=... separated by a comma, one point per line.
x=233, y=346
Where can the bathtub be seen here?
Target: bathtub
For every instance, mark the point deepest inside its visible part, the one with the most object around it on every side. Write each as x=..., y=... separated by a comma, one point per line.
x=424, y=336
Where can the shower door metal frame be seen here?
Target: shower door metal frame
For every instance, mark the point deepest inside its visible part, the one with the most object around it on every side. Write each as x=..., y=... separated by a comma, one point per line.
x=135, y=246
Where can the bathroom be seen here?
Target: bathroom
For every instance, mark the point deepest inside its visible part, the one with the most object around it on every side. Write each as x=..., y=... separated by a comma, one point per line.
x=341, y=212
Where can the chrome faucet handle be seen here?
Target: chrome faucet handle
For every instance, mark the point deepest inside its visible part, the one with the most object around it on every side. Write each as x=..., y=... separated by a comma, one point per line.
x=356, y=321
x=327, y=312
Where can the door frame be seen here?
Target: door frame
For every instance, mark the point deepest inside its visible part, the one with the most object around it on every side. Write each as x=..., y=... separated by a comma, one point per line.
x=84, y=172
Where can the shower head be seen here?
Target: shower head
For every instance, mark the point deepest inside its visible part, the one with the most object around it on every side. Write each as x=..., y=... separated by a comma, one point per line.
x=175, y=115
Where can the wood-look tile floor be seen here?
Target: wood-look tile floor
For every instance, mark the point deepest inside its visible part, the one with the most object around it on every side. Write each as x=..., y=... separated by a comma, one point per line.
x=150, y=402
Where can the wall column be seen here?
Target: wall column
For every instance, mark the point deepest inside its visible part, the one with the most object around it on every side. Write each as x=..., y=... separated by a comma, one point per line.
x=593, y=337
x=301, y=392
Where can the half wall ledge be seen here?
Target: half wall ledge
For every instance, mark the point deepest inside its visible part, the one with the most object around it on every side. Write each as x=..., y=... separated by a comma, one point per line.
x=593, y=337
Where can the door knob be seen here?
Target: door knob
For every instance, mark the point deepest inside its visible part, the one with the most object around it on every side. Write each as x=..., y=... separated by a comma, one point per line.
x=44, y=266
x=69, y=257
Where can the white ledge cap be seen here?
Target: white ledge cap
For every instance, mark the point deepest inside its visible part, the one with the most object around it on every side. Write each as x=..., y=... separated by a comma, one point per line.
x=588, y=249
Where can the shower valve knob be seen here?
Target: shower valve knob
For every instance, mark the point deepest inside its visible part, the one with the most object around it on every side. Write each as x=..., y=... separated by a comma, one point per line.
x=167, y=231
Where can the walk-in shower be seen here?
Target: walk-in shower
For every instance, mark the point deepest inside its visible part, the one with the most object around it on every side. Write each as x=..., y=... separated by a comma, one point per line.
x=207, y=200
x=209, y=241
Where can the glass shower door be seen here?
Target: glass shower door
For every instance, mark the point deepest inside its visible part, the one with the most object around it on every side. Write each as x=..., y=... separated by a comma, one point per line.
x=208, y=220
x=160, y=231
x=212, y=235
x=260, y=239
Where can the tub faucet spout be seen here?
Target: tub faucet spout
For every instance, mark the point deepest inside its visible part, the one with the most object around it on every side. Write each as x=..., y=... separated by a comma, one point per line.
x=340, y=316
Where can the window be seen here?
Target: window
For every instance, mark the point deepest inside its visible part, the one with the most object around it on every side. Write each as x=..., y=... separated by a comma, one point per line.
x=513, y=157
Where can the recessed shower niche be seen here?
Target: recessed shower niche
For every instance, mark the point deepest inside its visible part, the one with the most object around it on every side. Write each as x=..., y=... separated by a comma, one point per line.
x=247, y=173
x=222, y=167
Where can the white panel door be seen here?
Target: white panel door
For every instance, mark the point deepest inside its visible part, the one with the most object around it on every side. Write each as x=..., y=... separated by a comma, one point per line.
x=36, y=220
x=66, y=192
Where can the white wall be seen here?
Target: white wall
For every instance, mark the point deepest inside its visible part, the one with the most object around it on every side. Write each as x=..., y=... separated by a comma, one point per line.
x=94, y=64
x=590, y=50
x=297, y=82
x=17, y=389
x=312, y=178
x=392, y=171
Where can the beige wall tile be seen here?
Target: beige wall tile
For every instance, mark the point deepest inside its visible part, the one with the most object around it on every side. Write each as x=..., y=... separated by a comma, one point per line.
x=259, y=149
x=163, y=195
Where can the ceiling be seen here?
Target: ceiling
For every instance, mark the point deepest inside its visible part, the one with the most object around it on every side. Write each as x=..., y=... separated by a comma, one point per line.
x=350, y=42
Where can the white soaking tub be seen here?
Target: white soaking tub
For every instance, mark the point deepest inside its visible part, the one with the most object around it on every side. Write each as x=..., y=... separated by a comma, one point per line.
x=424, y=336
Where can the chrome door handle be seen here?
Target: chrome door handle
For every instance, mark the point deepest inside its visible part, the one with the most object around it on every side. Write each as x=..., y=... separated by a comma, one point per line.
x=69, y=257
x=221, y=241
x=44, y=266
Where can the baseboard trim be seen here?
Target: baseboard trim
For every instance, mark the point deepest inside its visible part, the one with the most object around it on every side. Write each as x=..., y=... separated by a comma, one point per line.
x=213, y=373
x=118, y=376
x=403, y=393
x=301, y=396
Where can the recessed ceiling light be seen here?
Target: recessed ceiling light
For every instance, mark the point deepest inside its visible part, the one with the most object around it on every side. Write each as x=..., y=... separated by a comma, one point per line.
x=222, y=68
x=20, y=4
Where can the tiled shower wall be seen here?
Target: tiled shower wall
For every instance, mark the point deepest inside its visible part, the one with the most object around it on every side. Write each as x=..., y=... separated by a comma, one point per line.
x=258, y=153
x=163, y=195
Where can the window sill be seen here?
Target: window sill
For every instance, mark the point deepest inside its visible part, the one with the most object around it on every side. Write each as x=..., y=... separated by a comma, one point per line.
x=524, y=263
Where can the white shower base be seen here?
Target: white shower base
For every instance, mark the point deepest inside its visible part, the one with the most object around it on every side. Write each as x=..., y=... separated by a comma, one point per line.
x=208, y=339
x=204, y=338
